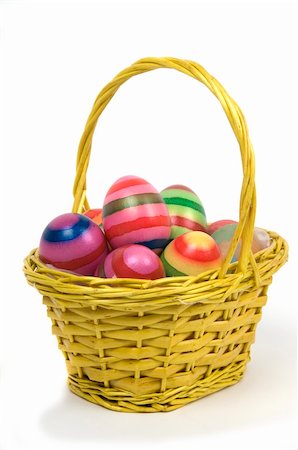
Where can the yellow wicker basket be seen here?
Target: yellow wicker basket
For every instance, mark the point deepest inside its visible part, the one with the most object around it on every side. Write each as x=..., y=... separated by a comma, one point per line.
x=145, y=346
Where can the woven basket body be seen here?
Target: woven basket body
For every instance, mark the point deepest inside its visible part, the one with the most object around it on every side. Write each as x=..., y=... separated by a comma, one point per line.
x=145, y=346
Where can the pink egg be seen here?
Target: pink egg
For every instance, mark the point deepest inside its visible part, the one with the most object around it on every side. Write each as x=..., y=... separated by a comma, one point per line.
x=73, y=242
x=133, y=261
x=135, y=213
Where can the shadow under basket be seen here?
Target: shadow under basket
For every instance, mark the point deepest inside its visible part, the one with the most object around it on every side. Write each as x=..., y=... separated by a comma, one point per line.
x=150, y=346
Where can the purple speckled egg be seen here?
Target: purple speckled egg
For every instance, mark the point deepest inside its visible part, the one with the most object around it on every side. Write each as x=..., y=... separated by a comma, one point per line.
x=73, y=242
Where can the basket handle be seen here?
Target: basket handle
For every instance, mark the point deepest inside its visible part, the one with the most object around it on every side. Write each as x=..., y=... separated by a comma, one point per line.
x=247, y=208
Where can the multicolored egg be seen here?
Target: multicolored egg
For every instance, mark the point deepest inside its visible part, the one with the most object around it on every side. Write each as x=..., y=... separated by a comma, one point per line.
x=191, y=254
x=133, y=261
x=135, y=213
x=212, y=227
x=185, y=208
x=95, y=215
x=224, y=235
x=74, y=243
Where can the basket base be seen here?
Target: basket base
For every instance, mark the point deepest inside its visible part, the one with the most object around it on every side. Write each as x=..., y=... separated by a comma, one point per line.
x=169, y=400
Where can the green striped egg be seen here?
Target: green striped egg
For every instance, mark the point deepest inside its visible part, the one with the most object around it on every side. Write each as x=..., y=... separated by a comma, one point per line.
x=185, y=208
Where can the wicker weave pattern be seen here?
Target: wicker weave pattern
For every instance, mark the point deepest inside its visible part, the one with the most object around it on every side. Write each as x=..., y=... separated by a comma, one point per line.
x=138, y=345
x=150, y=351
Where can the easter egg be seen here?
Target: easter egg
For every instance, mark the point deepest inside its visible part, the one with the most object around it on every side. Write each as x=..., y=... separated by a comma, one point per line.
x=95, y=215
x=74, y=243
x=224, y=235
x=135, y=213
x=191, y=254
x=185, y=208
x=212, y=227
x=133, y=261
x=260, y=241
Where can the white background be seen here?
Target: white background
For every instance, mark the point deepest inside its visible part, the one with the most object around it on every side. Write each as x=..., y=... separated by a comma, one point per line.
x=167, y=128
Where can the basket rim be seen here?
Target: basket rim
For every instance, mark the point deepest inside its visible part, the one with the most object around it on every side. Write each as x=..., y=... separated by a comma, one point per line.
x=128, y=293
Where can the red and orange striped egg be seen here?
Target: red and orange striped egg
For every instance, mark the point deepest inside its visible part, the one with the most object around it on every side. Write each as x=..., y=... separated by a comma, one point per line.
x=133, y=261
x=191, y=254
x=135, y=213
x=95, y=215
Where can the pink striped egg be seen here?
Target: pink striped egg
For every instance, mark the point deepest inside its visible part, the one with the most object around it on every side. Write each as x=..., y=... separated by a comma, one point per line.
x=133, y=261
x=73, y=242
x=135, y=213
